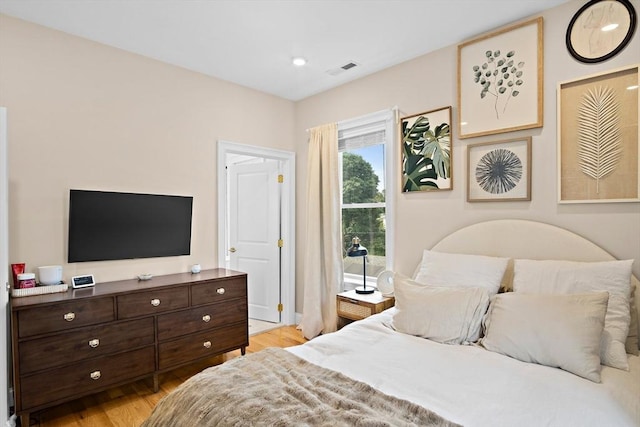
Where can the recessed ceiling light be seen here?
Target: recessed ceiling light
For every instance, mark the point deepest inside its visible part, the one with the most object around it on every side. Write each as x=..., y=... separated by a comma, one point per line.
x=299, y=61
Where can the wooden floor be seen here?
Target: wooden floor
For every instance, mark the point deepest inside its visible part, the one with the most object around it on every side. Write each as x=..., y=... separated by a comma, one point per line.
x=130, y=405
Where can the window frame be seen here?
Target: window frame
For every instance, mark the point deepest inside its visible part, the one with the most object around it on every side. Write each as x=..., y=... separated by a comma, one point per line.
x=352, y=128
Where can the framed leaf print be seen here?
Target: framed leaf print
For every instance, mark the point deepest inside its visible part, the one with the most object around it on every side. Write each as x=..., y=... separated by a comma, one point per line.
x=426, y=151
x=499, y=171
x=598, y=138
x=500, y=81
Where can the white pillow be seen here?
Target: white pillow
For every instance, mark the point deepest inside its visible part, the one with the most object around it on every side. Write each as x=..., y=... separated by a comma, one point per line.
x=569, y=277
x=445, y=315
x=461, y=270
x=561, y=331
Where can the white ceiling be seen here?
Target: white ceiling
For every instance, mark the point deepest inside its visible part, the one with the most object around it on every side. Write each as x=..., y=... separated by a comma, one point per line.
x=252, y=42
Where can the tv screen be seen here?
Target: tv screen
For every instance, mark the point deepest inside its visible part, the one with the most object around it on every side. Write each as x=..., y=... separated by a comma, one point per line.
x=110, y=225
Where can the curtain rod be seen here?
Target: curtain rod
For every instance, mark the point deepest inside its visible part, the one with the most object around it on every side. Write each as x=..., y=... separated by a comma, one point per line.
x=394, y=109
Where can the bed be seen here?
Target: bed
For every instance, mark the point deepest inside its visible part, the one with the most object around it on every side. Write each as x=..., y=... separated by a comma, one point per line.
x=527, y=329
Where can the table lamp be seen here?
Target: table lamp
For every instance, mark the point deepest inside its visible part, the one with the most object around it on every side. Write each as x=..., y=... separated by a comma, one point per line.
x=357, y=250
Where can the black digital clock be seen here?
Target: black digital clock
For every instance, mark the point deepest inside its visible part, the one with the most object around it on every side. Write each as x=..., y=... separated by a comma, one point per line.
x=82, y=281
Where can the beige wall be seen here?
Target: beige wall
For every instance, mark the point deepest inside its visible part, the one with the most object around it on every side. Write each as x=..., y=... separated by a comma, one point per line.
x=429, y=82
x=84, y=115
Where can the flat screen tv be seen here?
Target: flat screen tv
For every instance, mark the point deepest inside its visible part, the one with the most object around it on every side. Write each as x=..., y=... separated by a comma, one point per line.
x=107, y=225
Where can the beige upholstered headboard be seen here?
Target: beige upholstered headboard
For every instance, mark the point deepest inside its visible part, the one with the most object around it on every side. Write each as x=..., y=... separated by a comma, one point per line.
x=514, y=238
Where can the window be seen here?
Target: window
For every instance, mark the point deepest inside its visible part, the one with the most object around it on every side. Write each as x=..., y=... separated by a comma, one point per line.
x=366, y=164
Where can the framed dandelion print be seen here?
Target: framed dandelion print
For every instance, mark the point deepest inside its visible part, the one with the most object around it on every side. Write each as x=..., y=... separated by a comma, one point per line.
x=598, y=138
x=500, y=81
x=426, y=151
x=499, y=171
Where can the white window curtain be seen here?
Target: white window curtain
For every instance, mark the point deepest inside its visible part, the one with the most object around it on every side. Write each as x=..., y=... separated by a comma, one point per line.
x=323, y=269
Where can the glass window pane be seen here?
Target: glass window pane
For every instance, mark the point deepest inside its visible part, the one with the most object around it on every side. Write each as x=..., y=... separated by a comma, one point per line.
x=363, y=175
x=368, y=224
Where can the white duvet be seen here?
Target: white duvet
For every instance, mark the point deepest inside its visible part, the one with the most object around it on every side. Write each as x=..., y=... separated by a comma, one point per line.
x=472, y=386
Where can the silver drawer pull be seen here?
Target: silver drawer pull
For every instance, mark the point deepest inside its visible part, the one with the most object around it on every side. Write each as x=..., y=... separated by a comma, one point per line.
x=155, y=302
x=69, y=316
x=207, y=344
x=95, y=375
x=206, y=318
x=220, y=291
x=94, y=343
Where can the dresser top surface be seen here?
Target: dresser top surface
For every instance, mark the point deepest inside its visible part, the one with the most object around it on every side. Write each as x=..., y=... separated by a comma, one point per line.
x=127, y=286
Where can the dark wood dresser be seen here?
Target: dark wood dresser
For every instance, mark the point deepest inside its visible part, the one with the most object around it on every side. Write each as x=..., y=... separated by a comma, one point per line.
x=70, y=344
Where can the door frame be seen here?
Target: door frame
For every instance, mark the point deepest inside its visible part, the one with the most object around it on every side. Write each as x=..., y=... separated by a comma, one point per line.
x=288, y=217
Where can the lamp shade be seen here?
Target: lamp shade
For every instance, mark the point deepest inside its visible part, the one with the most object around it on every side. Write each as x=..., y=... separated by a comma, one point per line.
x=356, y=249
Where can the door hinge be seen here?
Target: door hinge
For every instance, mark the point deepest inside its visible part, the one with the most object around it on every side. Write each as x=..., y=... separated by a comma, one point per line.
x=280, y=307
x=280, y=243
x=280, y=179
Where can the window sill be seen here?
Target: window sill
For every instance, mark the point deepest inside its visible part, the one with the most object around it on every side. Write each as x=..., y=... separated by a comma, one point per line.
x=352, y=283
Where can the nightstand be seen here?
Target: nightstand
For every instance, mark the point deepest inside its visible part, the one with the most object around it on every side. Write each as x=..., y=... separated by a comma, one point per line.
x=353, y=306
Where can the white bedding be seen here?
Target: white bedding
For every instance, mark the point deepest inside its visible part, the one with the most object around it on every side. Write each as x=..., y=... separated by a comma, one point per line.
x=473, y=386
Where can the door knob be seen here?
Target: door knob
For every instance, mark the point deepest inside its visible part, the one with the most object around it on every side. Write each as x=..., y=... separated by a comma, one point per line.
x=232, y=250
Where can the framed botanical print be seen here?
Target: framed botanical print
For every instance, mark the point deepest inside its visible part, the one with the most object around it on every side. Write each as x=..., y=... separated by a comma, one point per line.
x=426, y=151
x=598, y=138
x=500, y=81
x=499, y=171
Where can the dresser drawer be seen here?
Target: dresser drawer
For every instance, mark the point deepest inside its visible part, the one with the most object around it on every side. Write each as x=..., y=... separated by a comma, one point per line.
x=202, y=344
x=64, y=316
x=218, y=290
x=85, y=377
x=201, y=318
x=151, y=302
x=84, y=343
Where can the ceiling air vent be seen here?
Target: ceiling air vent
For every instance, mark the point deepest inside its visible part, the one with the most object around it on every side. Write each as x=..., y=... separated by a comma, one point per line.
x=342, y=69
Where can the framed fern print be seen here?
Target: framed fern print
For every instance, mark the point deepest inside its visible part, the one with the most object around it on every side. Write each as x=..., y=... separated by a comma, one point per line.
x=598, y=138
x=500, y=81
x=426, y=151
x=499, y=171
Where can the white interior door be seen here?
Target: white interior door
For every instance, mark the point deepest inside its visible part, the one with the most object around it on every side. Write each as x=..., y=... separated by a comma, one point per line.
x=254, y=231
